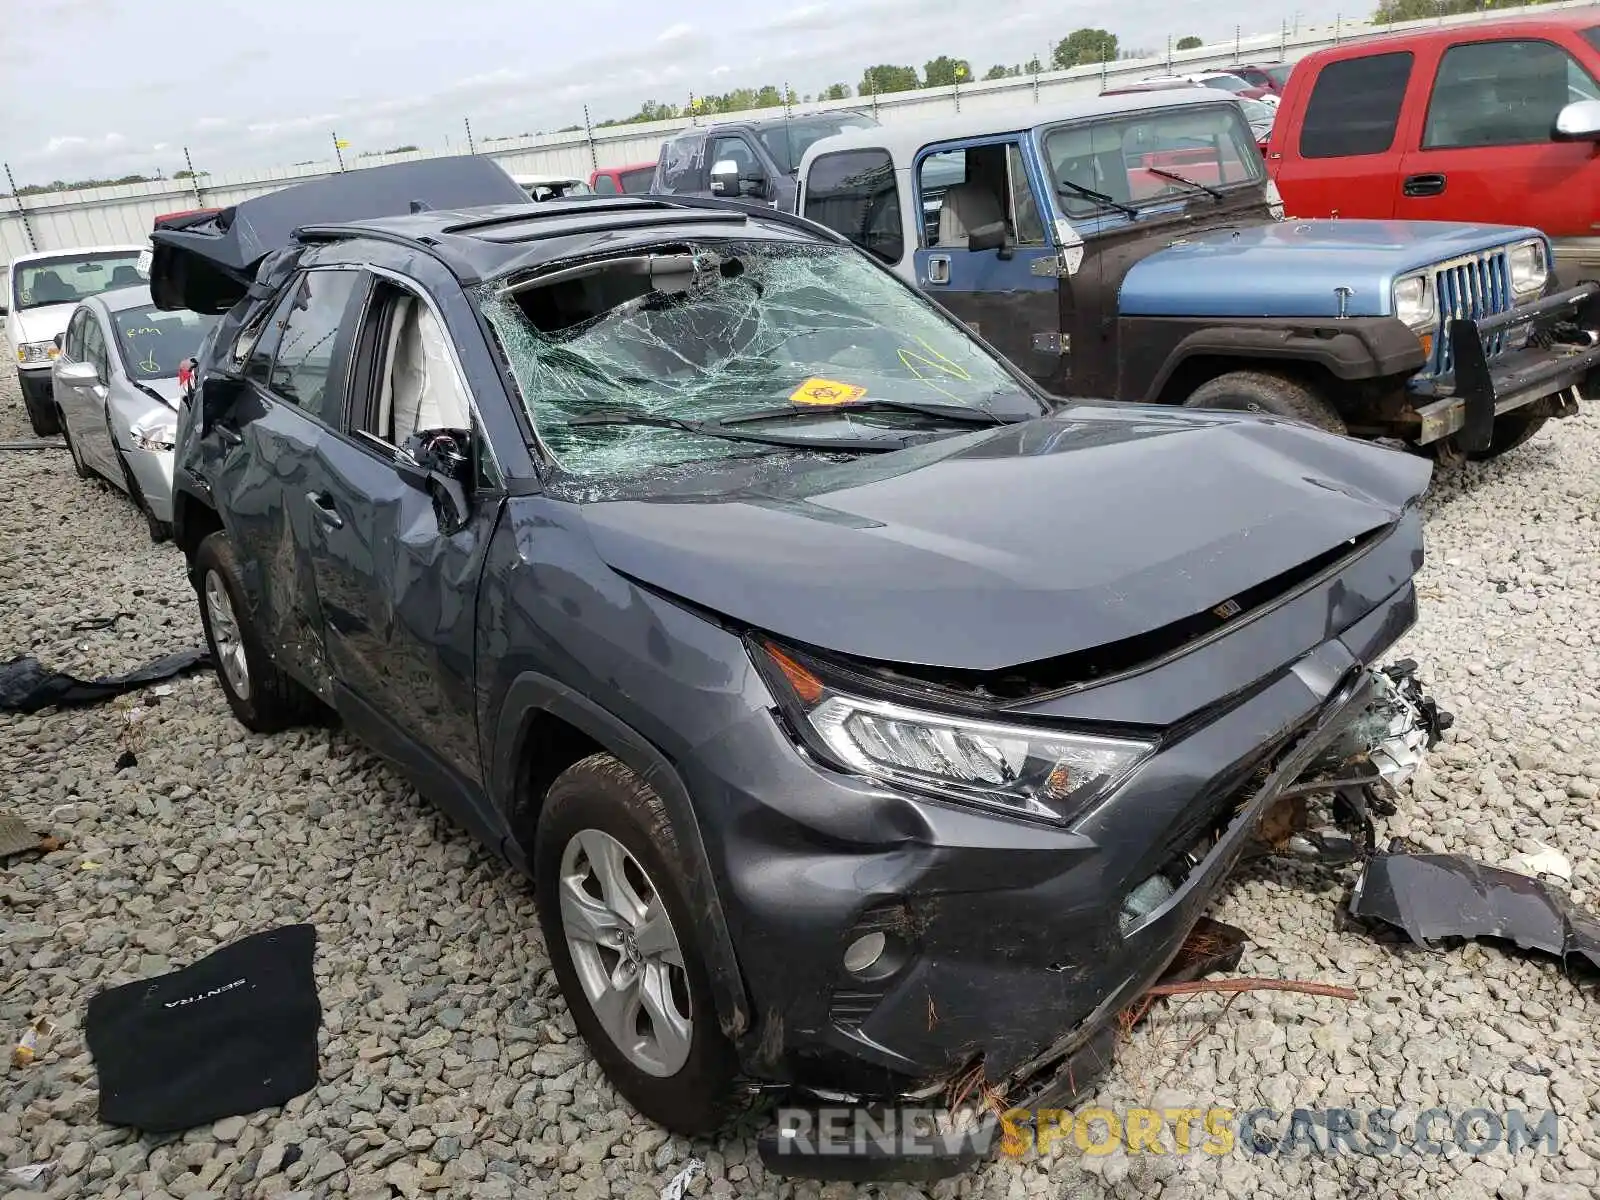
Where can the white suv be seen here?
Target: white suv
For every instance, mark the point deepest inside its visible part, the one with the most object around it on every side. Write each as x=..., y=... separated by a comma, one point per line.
x=41, y=291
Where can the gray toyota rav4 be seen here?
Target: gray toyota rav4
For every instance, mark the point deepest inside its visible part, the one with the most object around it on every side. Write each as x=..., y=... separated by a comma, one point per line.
x=865, y=717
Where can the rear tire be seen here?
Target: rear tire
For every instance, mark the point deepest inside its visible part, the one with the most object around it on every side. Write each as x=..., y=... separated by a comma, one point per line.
x=681, y=1071
x=39, y=400
x=1268, y=393
x=264, y=698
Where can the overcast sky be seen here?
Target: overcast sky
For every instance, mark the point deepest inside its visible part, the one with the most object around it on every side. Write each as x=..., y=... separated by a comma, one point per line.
x=107, y=87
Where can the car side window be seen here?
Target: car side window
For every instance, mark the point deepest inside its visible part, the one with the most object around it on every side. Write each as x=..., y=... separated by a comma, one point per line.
x=418, y=385
x=853, y=192
x=737, y=149
x=316, y=306
x=682, y=166
x=94, y=347
x=1502, y=93
x=257, y=342
x=605, y=185
x=72, y=343
x=1355, y=106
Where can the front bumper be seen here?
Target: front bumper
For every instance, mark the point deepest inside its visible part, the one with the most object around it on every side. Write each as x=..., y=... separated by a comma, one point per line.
x=1063, y=1072
x=1482, y=388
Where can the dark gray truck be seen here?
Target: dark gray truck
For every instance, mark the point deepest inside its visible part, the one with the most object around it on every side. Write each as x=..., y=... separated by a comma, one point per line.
x=748, y=160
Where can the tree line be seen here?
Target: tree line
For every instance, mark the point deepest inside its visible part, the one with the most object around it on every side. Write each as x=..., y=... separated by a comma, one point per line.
x=1390, y=11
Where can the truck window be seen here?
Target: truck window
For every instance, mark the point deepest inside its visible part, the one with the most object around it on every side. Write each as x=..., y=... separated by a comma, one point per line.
x=1355, y=106
x=964, y=189
x=853, y=192
x=682, y=168
x=1504, y=93
x=605, y=185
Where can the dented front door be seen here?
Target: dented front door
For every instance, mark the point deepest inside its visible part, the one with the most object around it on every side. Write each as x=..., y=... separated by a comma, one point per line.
x=1009, y=294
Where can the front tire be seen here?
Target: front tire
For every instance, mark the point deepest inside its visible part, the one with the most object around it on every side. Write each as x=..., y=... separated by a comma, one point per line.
x=264, y=698
x=1510, y=431
x=613, y=906
x=39, y=399
x=1268, y=393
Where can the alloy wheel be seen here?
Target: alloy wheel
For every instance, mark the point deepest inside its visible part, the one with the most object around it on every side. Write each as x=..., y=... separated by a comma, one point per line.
x=626, y=952
x=225, y=636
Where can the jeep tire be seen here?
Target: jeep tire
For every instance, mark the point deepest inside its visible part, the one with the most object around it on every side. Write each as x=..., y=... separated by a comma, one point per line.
x=1511, y=430
x=263, y=697
x=606, y=925
x=1268, y=394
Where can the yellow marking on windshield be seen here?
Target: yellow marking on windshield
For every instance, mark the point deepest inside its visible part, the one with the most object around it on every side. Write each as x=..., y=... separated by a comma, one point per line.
x=937, y=362
x=149, y=363
x=826, y=391
x=142, y=330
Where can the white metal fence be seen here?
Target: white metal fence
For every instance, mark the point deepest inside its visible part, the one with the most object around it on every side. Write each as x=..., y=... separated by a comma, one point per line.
x=125, y=214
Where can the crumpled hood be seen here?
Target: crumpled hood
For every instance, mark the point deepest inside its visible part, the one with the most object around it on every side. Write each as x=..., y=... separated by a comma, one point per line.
x=1294, y=268
x=1012, y=545
x=43, y=323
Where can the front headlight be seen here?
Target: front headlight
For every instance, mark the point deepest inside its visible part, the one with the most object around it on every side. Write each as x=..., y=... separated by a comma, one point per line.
x=1528, y=267
x=1414, y=302
x=1045, y=774
x=155, y=435
x=37, y=352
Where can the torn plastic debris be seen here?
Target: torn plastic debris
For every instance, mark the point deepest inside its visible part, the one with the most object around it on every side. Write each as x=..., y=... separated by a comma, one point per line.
x=678, y=1188
x=35, y=1040
x=26, y=687
x=1432, y=896
x=31, y=1173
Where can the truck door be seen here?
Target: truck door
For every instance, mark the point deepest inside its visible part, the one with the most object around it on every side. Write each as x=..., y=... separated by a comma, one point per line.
x=1337, y=152
x=984, y=250
x=1483, y=150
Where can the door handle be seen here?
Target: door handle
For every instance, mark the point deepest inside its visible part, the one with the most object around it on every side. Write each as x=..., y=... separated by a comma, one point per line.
x=938, y=268
x=229, y=435
x=322, y=508
x=1423, y=185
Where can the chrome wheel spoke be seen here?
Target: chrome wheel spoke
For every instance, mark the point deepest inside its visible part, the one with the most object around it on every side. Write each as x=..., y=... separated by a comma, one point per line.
x=671, y=1030
x=584, y=917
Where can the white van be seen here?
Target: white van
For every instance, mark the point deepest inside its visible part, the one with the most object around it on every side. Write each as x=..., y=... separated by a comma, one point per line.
x=41, y=291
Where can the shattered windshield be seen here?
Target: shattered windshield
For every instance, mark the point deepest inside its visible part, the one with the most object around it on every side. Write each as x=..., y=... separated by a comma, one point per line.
x=714, y=333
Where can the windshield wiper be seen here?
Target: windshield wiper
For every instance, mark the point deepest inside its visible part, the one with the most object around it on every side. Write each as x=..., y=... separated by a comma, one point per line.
x=715, y=429
x=944, y=412
x=1176, y=178
x=1077, y=189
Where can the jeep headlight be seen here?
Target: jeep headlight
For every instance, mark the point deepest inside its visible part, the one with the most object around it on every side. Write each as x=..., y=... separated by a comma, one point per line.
x=1414, y=302
x=1024, y=771
x=1528, y=267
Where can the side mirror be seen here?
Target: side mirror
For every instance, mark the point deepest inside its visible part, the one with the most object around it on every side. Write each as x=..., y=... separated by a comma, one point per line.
x=444, y=457
x=725, y=178
x=1578, y=122
x=59, y=339
x=78, y=374
x=989, y=237
x=218, y=393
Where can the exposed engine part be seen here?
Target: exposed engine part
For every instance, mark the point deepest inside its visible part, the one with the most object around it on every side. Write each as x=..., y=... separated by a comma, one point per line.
x=1401, y=724
x=1386, y=744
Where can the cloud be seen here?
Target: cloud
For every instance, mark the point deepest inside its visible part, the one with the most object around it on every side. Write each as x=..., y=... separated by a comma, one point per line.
x=676, y=33
x=73, y=142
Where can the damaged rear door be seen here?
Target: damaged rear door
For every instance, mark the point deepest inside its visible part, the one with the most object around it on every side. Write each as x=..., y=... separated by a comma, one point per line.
x=985, y=252
x=399, y=542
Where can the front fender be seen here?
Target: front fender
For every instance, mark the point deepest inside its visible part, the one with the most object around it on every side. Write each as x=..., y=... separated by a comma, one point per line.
x=530, y=694
x=1357, y=348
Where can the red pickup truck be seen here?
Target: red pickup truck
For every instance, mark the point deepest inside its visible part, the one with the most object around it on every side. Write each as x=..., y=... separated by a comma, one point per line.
x=1495, y=121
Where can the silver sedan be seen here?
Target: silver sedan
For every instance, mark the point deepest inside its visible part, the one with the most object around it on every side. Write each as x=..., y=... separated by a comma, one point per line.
x=116, y=383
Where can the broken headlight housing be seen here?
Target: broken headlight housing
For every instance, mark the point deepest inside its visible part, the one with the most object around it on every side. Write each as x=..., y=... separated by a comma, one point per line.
x=1414, y=302
x=1020, y=770
x=157, y=435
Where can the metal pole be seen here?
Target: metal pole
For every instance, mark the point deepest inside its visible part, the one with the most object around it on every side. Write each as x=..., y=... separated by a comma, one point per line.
x=337, y=153
x=471, y=148
x=194, y=178
x=1238, y=33
x=786, y=112
x=27, y=225
x=872, y=87
x=1338, y=24
x=588, y=132
x=1169, y=54
x=1283, y=38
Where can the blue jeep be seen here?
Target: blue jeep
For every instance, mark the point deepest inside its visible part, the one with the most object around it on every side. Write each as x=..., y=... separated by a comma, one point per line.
x=1132, y=247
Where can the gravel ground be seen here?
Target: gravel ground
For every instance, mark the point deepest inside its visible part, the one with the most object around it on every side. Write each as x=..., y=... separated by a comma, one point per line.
x=450, y=1064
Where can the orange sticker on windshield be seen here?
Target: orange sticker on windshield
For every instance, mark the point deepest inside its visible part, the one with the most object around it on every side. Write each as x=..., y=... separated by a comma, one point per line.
x=826, y=391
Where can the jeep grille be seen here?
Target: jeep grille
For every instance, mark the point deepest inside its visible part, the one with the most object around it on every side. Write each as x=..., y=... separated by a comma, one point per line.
x=1469, y=288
